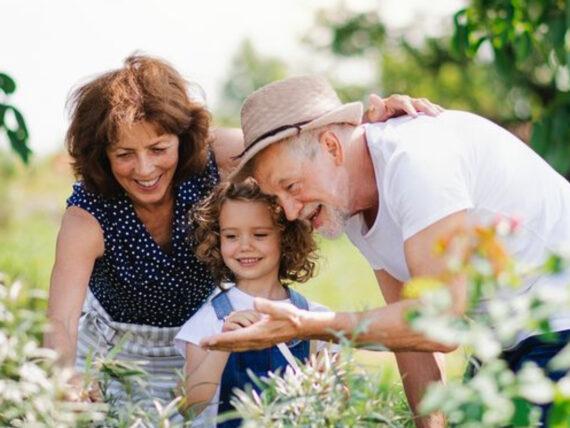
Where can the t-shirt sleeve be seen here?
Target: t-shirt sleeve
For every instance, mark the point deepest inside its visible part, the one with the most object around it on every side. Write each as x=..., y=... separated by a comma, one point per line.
x=88, y=201
x=425, y=186
x=317, y=307
x=202, y=324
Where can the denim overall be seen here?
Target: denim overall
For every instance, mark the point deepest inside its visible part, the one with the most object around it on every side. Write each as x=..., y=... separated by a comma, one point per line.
x=259, y=362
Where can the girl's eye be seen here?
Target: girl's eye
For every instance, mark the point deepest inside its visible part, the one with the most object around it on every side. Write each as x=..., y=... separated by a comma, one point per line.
x=230, y=237
x=261, y=235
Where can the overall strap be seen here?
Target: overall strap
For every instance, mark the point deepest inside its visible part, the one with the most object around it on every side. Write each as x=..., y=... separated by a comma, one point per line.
x=222, y=305
x=298, y=299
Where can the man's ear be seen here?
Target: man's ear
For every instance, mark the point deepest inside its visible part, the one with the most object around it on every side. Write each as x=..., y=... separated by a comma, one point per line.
x=332, y=145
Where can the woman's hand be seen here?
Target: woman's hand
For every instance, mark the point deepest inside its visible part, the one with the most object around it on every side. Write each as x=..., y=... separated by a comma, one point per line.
x=240, y=319
x=85, y=390
x=381, y=109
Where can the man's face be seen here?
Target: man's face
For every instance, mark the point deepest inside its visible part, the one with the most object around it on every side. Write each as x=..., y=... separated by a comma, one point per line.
x=314, y=189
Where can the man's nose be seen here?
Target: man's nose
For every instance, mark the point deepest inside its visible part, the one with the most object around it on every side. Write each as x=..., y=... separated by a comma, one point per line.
x=291, y=207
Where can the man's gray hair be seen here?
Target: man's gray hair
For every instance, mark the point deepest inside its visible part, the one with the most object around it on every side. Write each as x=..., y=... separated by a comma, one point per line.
x=306, y=143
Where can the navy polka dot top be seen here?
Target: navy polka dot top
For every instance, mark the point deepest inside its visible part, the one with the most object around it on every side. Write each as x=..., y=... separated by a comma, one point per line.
x=135, y=280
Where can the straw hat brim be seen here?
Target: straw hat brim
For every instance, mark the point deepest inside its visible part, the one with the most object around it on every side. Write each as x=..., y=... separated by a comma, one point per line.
x=350, y=113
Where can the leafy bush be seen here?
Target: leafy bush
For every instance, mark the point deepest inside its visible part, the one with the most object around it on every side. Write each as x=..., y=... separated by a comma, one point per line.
x=325, y=392
x=34, y=389
x=32, y=386
x=494, y=396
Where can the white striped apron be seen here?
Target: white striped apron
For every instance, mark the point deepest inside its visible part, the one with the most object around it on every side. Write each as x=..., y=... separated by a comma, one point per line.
x=98, y=333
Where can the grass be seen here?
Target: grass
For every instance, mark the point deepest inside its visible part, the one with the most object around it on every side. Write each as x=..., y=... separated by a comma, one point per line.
x=33, y=200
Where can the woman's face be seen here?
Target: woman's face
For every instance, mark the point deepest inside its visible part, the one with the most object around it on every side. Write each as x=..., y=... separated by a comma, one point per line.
x=143, y=162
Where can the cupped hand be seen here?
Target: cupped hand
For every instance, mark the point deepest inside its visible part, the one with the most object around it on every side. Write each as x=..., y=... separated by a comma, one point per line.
x=381, y=109
x=279, y=322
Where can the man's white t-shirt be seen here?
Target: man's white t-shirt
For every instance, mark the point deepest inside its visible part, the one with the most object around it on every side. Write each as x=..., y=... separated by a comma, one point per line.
x=205, y=323
x=430, y=167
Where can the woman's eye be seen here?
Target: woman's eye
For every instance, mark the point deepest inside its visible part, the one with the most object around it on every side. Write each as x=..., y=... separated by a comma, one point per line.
x=158, y=149
x=123, y=155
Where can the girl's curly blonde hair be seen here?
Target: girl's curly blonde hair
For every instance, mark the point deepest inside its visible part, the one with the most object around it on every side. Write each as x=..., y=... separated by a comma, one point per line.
x=298, y=247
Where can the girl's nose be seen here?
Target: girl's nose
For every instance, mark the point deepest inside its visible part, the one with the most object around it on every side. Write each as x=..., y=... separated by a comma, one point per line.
x=244, y=242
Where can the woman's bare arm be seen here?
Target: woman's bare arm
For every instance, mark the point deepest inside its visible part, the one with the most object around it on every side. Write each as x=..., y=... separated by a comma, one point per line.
x=79, y=244
x=226, y=144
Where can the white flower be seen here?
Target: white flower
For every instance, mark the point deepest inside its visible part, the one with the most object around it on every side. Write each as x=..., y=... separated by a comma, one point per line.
x=564, y=386
x=534, y=386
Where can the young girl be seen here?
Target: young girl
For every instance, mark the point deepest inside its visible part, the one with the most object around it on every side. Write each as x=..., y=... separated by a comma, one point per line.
x=253, y=251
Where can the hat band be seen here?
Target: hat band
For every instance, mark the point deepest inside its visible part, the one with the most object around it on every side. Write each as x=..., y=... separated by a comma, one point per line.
x=271, y=133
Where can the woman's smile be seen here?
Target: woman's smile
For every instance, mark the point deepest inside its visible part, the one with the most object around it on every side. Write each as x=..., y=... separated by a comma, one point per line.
x=149, y=185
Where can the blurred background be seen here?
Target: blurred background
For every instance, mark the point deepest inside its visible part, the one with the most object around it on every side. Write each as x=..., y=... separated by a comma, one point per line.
x=505, y=60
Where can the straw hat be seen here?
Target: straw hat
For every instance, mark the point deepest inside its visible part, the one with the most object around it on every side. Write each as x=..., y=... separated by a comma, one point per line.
x=289, y=107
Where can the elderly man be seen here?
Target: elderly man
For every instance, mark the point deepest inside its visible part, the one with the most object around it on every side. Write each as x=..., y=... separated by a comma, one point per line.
x=394, y=188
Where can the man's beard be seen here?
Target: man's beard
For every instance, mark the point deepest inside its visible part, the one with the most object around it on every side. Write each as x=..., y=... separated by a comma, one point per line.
x=335, y=224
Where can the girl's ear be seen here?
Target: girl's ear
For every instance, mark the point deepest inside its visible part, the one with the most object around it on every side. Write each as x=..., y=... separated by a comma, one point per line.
x=331, y=145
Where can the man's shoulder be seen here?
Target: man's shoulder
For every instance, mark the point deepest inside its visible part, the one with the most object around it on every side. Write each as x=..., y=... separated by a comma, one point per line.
x=413, y=127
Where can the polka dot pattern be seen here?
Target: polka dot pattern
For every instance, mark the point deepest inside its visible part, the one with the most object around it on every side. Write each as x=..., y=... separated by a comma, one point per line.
x=135, y=280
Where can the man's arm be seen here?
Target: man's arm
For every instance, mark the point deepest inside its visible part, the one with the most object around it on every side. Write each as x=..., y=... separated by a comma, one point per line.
x=417, y=369
x=386, y=326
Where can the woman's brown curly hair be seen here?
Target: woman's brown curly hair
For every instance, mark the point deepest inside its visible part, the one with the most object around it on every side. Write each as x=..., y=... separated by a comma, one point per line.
x=145, y=88
x=298, y=247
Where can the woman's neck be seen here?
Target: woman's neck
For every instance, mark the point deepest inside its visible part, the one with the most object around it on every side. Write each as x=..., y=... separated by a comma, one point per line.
x=158, y=221
x=262, y=287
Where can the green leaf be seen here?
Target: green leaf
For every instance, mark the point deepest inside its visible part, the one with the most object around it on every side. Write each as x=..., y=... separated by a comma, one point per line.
x=522, y=46
x=524, y=413
x=19, y=145
x=460, y=39
x=559, y=414
x=7, y=84
x=3, y=108
x=18, y=136
x=540, y=136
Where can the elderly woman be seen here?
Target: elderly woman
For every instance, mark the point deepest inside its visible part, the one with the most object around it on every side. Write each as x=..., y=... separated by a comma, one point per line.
x=144, y=153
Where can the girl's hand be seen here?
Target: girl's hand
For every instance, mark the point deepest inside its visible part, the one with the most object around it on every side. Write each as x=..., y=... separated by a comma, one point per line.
x=240, y=319
x=381, y=109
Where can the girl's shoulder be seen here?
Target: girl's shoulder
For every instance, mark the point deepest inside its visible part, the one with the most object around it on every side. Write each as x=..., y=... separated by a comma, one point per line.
x=202, y=324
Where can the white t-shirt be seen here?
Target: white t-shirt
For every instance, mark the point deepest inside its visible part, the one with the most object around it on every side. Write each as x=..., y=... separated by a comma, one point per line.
x=205, y=323
x=430, y=167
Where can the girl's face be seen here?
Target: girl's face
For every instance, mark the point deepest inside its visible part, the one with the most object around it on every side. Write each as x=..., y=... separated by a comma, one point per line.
x=144, y=162
x=250, y=241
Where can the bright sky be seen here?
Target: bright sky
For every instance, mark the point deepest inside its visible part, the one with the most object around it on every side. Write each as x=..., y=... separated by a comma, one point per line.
x=49, y=46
